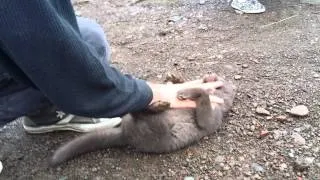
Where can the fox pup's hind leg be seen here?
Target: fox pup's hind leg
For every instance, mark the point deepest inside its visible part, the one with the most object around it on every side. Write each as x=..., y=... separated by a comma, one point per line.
x=207, y=118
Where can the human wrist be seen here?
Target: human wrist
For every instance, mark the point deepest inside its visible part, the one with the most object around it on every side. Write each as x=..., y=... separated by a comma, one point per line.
x=156, y=92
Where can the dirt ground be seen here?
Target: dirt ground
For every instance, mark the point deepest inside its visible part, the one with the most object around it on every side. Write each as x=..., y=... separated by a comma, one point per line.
x=273, y=58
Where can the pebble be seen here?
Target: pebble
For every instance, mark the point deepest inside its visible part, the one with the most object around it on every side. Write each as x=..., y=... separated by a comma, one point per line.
x=283, y=166
x=237, y=77
x=1, y=167
x=188, y=178
x=262, y=111
x=202, y=2
x=303, y=163
x=247, y=173
x=241, y=158
x=252, y=128
x=281, y=118
x=257, y=167
x=175, y=18
x=94, y=169
x=256, y=176
x=204, y=156
x=318, y=165
x=245, y=65
x=226, y=168
x=290, y=154
x=298, y=139
x=277, y=134
x=219, y=159
x=264, y=133
x=316, y=75
x=300, y=110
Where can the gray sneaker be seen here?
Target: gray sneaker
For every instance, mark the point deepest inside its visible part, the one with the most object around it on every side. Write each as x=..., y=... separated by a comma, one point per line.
x=248, y=6
x=57, y=120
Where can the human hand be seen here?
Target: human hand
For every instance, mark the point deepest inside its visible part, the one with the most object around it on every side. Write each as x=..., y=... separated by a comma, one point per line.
x=168, y=92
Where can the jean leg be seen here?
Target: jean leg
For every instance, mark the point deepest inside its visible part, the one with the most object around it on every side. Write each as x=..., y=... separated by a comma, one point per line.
x=94, y=35
x=21, y=103
x=30, y=101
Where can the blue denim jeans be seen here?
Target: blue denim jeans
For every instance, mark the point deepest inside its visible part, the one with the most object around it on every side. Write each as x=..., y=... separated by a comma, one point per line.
x=14, y=104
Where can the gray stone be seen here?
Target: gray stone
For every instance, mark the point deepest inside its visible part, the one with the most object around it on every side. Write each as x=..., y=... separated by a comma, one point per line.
x=202, y=2
x=303, y=163
x=300, y=110
x=188, y=178
x=219, y=159
x=298, y=139
x=257, y=167
x=262, y=111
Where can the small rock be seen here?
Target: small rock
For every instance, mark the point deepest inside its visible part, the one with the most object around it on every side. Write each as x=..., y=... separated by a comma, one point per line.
x=175, y=18
x=256, y=176
x=237, y=77
x=219, y=159
x=269, y=117
x=316, y=75
x=221, y=165
x=226, y=168
x=277, y=134
x=245, y=65
x=204, y=156
x=257, y=167
x=290, y=154
x=191, y=58
x=202, y=2
x=94, y=169
x=318, y=165
x=297, y=129
x=247, y=173
x=252, y=128
x=303, y=163
x=300, y=110
x=298, y=139
x=1, y=167
x=283, y=166
x=241, y=158
x=281, y=118
x=203, y=27
x=188, y=178
x=262, y=111
x=264, y=133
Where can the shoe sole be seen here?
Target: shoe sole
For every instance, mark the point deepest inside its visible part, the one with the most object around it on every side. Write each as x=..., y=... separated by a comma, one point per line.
x=1, y=167
x=83, y=128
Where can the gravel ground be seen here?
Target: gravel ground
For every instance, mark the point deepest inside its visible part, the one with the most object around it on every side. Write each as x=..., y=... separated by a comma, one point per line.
x=273, y=129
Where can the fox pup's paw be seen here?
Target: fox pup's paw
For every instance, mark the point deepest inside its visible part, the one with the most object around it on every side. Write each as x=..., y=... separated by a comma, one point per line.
x=210, y=78
x=159, y=106
x=190, y=93
x=174, y=78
